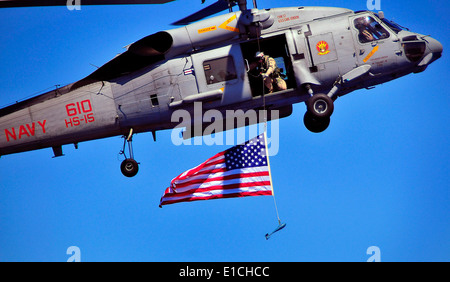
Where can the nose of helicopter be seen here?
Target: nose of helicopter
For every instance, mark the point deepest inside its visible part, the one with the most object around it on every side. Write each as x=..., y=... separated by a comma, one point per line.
x=435, y=47
x=423, y=53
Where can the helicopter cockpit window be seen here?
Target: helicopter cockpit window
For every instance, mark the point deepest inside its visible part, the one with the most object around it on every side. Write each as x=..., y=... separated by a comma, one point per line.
x=219, y=70
x=370, y=30
x=394, y=26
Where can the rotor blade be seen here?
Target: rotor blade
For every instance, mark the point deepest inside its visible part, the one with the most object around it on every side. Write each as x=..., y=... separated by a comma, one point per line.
x=212, y=9
x=36, y=3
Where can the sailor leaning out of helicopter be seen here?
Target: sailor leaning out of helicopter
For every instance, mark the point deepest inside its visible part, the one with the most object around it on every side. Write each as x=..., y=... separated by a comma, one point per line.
x=269, y=71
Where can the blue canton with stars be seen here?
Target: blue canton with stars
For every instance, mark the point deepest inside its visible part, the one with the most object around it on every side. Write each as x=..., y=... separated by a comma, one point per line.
x=250, y=154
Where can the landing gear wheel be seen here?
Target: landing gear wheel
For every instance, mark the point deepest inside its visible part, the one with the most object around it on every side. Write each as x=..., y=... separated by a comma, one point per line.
x=314, y=124
x=129, y=167
x=320, y=106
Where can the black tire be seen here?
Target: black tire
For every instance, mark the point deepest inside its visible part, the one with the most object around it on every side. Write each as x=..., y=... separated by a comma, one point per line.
x=320, y=106
x=129, y=167
x=314, y=124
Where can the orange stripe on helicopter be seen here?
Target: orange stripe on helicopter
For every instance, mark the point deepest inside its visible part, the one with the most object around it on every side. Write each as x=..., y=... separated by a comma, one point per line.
x=374, y=50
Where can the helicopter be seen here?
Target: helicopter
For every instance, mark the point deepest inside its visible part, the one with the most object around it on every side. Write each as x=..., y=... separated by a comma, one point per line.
x=322, y=53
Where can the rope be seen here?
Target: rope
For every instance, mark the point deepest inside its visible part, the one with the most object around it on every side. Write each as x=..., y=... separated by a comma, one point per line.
x=270, y=175
x=280, y=226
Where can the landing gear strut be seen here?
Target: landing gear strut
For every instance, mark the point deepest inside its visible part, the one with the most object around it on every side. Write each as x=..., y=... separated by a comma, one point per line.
x=129, y=166
x=320, y=107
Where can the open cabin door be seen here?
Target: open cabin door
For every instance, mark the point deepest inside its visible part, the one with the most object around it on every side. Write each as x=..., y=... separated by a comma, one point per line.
x=276, y=47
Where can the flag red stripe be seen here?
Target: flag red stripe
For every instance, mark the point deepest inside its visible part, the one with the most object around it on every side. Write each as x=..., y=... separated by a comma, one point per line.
x=219, y=196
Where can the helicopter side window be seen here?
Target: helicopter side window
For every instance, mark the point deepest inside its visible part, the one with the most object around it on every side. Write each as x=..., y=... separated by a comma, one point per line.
x=219, y=70
x=370, y=30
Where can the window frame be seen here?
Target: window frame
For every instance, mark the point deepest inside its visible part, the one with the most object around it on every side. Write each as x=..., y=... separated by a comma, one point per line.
x=213, y=68
x=374, y=20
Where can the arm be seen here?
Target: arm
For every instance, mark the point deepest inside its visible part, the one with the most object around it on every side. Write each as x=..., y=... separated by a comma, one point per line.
x=271, y=66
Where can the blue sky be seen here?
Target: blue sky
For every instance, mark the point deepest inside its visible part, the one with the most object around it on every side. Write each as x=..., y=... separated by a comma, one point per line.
x=378, y=176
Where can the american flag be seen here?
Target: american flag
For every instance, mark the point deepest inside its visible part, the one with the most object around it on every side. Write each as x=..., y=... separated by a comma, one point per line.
x=240, y=171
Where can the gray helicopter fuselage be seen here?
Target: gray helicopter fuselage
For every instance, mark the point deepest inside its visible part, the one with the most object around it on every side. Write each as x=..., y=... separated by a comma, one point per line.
x=319, y=49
